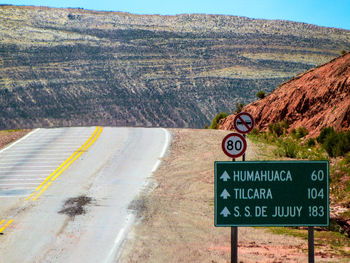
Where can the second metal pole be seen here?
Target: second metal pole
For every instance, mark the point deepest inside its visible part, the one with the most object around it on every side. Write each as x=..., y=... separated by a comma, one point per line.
x=311, y=244
x=234, y=244
x=234, y=233
x=243, y=158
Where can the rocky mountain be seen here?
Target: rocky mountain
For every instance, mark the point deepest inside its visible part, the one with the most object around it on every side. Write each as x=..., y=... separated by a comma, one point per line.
x=315, y=99
x=62, y=67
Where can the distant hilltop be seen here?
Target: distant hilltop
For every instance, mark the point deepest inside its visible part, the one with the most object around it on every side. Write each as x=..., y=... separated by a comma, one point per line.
x=316, y=99
x=72, y=67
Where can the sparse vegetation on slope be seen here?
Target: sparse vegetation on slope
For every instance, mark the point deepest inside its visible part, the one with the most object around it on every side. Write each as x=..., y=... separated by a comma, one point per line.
x=215, y=121
x=335, y=143
x=261, y=94
x=62, y=67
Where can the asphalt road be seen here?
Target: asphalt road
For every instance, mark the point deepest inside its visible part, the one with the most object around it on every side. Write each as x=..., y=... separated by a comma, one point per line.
x=39, y=173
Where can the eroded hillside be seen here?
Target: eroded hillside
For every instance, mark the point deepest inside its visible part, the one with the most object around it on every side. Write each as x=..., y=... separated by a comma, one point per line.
x=316, y=99
x=78, y=67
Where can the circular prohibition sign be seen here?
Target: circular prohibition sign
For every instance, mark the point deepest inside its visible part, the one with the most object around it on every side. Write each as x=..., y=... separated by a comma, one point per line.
x=244, y=122
x=234, y=145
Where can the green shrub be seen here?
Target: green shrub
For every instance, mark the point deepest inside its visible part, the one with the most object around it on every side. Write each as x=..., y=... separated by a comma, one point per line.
x=331, y=144
x=347, y=158
x=285, y=124
x=255, y=132
x=301, y=132
x=337, y=144
x=276, y=128
x=239, y=107
x=218, y=117
x=311, y=142
x=333, y=226
x=324, y=133
x=290, y=148
x=287, y=148
x=261, y=94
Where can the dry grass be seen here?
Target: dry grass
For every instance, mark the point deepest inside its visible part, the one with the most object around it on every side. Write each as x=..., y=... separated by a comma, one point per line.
x=291, y=57
x=248, y=72
x=178, y=216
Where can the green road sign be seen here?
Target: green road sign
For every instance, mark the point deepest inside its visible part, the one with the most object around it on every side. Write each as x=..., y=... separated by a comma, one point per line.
x=272, y=193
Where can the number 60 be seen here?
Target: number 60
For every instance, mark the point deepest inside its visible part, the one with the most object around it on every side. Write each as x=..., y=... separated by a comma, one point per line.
x=319, y=176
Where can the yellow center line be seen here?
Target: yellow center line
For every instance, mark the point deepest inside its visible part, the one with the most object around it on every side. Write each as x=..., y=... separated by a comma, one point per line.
x=42, y=190
x=5, y=226
x=54, y=172
x=65, y=164
x=88, y=146
x=2, y=221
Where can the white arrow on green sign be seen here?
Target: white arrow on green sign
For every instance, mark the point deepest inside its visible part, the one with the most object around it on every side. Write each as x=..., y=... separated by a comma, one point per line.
x=225, y=177
x=225, y=212
x=225, y=194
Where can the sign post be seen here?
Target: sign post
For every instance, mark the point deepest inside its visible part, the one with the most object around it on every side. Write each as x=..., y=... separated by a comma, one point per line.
x=234, y=145
x=311, y=245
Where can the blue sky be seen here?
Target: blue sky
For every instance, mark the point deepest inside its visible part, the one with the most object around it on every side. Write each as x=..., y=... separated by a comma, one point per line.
x=331, y=13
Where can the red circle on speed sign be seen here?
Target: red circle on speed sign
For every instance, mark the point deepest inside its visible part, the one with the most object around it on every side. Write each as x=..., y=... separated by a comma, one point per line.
x=234, y=145
x=244, y=122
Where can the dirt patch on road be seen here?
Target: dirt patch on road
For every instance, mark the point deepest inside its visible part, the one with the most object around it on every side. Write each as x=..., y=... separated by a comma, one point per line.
x=177, y=217
x=75, y=206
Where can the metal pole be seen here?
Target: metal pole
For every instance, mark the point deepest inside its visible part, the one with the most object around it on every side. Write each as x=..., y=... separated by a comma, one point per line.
x=234, y=233
x=243, y=158
x=234, y=244
x=234, y=240
x=311, y=245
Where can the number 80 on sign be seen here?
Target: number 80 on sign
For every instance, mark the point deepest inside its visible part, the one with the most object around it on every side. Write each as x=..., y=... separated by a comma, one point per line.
x=234, y=145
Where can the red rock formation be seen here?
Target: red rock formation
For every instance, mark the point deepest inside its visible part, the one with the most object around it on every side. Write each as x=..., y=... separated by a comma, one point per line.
x=315, y=99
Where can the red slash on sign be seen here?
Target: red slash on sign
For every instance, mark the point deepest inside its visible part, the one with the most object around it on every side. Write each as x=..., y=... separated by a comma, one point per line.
x=244, y=122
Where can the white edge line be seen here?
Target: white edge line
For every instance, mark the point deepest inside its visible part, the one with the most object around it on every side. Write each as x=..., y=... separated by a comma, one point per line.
x=115, y=250
x=120, y=239
x=21, y=139
x=165, y=147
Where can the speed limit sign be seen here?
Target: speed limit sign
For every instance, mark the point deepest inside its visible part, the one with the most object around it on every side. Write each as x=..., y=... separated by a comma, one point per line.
x=234, y=145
